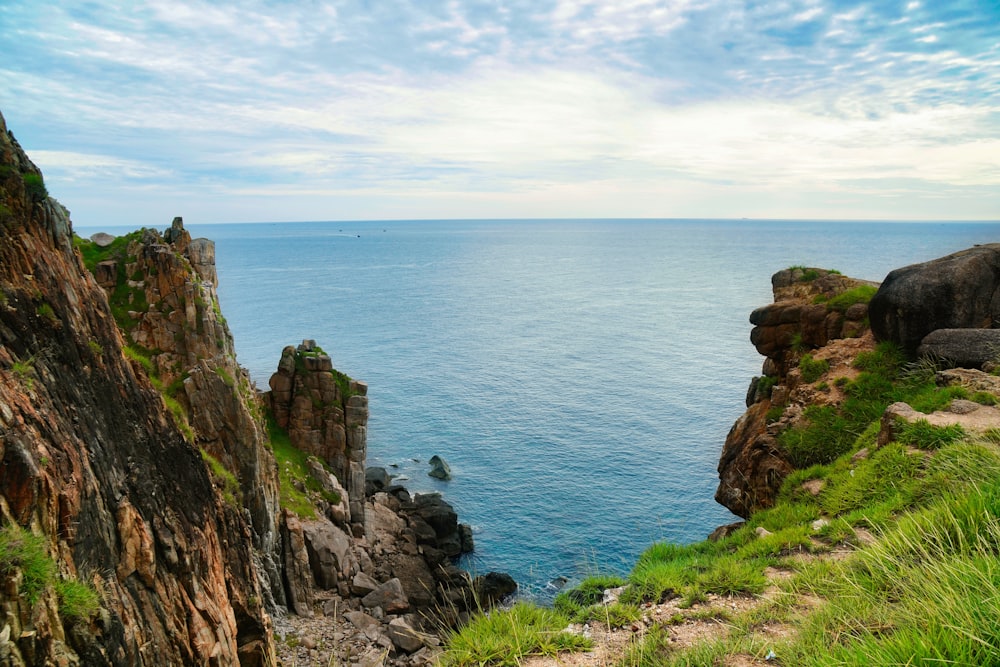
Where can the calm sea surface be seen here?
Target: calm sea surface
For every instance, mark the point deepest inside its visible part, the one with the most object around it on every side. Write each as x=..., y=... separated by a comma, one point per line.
x=579, y=376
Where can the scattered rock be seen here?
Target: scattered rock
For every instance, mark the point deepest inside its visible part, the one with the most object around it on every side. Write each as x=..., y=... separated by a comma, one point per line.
x=439, y=468
x=362, y=584
x=389, y=597
x=820, y=524
x=494, y=587
x=725, y=531
x=814, y=486
x=762, y=531
x=407, y=638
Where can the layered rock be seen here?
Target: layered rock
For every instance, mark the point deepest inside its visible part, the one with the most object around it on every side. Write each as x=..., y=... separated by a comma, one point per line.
x=163, y=292
x=959, y=291
x=805, y=318
x=95, y=464
x=326, y=415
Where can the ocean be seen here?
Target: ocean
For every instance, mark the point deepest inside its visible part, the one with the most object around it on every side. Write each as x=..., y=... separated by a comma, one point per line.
x=579, y=376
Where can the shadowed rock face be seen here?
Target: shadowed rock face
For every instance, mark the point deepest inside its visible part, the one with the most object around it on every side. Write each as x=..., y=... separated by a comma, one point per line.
x=93, y=462
x=959, y=291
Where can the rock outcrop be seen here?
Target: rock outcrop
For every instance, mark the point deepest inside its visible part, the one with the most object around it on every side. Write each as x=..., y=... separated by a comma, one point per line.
x=326, y=415
x=967, y=348
x=97, y=467
x=809, y=316
x=959, y=291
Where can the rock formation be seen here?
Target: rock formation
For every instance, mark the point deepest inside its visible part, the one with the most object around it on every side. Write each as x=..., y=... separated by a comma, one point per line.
x=808, y=316
x=136, y=466
x=960, y=291
x=326, y=415
x=96, y=466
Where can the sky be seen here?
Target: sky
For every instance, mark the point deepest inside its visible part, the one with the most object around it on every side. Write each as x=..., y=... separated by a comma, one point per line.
x=267, y=110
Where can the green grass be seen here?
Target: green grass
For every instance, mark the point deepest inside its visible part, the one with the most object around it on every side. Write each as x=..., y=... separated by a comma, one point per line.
x=24, y=551
x=812, y=369
x=588, y=592
x=923, y=435
x=293, y=474
x=926, y=592
x=77, y=600
x=230, y=485
x=846, y=299
x=34, y=186
x=506, y=637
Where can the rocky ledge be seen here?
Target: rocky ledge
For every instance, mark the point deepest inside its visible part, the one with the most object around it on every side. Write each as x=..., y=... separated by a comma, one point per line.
x=946, y=311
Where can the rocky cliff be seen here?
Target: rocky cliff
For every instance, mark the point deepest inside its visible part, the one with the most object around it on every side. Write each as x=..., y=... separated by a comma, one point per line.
x=818, y=320
x=97, y=468
x=154, y=508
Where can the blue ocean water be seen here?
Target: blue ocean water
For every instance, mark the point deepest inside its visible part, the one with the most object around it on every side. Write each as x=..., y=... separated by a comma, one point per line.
x=579, y=376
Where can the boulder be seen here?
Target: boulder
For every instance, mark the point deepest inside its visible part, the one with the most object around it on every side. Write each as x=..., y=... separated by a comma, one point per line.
x=376, y=480
x=389, y=597
x=330, y=556
x=439, y=468
x=102, y=240
x=298, y=576
x=362, y=584
x=368, y=626
x=965, y=348
x=407, y=638
x=959, y=291
x=494, y=587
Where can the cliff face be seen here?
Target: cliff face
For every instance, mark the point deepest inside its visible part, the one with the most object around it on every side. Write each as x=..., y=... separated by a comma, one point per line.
x=813, y=314
x=163, y=295
x=94, y=463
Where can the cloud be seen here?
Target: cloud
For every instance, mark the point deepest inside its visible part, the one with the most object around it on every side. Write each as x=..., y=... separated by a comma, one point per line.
x=506, y=103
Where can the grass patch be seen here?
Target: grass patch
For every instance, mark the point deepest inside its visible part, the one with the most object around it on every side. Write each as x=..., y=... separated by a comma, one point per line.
x=24, y=551
x=923, y=435
x=227, y=480
x=846, y=299
x=77, y=600
x=588, y=592
x=293, y=474
x=812, y=369
x=505, y=637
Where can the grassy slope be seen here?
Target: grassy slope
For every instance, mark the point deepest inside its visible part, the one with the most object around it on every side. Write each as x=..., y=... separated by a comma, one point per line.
x=926, y=590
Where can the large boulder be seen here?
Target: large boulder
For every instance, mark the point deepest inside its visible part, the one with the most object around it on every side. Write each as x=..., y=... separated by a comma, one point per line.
x=965, y=348
x=960, y=291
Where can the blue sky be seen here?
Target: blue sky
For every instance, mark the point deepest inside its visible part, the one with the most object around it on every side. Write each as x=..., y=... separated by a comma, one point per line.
x=400, y=109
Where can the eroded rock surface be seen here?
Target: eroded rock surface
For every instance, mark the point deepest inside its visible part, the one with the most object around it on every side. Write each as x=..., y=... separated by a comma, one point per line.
x=95, y=465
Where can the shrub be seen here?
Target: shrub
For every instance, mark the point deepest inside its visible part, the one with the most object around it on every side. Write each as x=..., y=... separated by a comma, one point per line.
x=812, y=369
x=34, y=187
x=77, y=599
x=21, y=550
x=844, y=300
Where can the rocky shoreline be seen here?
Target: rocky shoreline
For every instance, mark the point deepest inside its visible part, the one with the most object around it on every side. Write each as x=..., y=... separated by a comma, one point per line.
x=203, y=517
